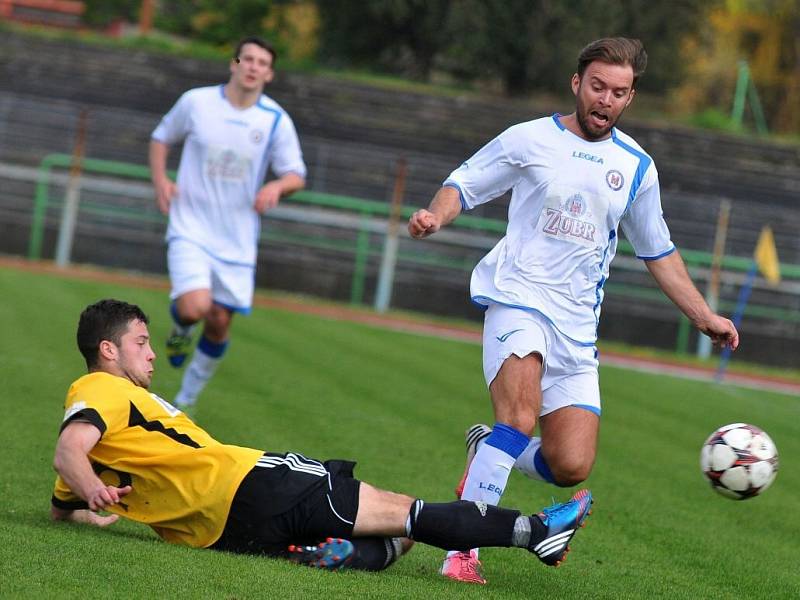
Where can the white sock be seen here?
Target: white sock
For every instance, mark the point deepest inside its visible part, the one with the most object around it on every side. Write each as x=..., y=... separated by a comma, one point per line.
x=488, y=475
x=526, y=463
x=489, y=471
x=196, y=377
x=531, y=465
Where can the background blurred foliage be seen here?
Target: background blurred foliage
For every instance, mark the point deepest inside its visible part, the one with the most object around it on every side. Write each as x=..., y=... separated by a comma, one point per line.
x=517, y=47
x=765, y=33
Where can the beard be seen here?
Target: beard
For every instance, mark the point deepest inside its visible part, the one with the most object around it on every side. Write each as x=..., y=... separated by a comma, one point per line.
x=591, y=133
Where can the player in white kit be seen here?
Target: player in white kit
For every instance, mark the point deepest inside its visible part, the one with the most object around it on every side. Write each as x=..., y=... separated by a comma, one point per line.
x=232, y=135
x=575, y=179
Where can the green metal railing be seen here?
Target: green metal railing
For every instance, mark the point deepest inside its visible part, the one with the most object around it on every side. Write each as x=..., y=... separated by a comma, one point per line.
x=362, y=250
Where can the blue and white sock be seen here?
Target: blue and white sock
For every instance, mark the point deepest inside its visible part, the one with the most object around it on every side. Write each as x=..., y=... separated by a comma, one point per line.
x=204, y=362
x=489, y=471
x=531, y=462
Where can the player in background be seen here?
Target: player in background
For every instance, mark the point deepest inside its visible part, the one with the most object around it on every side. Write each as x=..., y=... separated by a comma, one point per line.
x=232, y=134
x=574, y=179
x=126, y=450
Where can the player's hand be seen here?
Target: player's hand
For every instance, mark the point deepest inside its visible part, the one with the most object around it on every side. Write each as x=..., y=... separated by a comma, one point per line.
x=268, y=197
x=106, y=495
x=92, y=518
x=166, y=190
x=722, y=332
x=423, y=223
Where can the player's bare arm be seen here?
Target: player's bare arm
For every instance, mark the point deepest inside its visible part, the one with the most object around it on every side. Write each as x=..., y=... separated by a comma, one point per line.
x=71, y=461
x=164, y=187
x=444, y=208
x=672, y=277
x=270, y=194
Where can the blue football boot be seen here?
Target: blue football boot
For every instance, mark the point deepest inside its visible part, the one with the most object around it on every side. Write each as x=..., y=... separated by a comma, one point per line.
x=331, y=555
x=178, y=348
x=562, y=522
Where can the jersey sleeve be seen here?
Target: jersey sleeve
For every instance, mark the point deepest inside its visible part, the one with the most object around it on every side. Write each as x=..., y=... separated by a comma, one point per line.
x=285, y=153
x=65, y=498
x=488, y=174
x=174, y=126
x=100, y=404
x=644, y=224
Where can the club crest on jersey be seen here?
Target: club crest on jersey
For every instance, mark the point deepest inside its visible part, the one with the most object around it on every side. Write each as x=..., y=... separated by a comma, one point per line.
x=256, y=135
x=615, y=180
x=567, y=222
x=575, y=206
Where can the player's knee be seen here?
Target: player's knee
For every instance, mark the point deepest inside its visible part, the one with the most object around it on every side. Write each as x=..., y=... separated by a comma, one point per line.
x=568, y=473
x=195, y=311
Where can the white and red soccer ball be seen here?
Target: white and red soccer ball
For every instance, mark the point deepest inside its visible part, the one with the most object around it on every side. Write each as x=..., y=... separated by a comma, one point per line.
x=739, y=460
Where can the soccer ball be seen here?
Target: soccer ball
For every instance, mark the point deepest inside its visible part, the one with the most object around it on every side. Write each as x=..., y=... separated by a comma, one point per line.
x=739, y=460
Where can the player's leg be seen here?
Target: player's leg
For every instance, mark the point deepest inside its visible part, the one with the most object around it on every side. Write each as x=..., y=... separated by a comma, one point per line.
x=513, y=347
x=464, y=525
x=190, y=296
x=232, y=288
x=570, y=418
x=210, y=349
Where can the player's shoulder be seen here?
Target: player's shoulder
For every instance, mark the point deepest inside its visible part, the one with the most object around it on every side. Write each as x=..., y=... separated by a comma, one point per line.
x=99, y=383
x=628, y=143
x=526, y=128
x=267, y=104
x=529, y=133
x=204, y=94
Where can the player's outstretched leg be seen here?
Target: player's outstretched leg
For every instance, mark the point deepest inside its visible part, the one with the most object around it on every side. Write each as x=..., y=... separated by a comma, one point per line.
x=561, y=521
x=331, y=555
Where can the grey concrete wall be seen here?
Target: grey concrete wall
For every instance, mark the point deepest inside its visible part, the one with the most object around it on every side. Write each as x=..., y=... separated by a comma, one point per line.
x=352, y=135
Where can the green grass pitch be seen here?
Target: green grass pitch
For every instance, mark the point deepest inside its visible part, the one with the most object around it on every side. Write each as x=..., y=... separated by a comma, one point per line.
x=398, y=404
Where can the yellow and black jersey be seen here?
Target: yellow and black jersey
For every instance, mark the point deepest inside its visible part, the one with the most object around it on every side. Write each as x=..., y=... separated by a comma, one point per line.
x=183, y=480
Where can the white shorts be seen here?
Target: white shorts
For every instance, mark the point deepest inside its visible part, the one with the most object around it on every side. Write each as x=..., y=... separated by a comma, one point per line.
x=192, y=268
x=569, y=374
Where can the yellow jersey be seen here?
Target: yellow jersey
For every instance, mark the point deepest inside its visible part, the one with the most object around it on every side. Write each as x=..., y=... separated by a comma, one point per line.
x=183, y=479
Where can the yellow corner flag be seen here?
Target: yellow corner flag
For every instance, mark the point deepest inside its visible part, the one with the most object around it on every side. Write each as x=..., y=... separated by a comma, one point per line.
x=766, y=256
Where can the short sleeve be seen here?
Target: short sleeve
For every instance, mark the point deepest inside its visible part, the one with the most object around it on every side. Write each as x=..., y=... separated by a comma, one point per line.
x=65, y=498
x=644, y=224
x=100, y=403
x=285, y=153
x=174, y=126
x=488, y=174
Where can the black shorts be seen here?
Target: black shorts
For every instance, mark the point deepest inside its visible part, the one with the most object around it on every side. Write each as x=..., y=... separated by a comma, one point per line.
x=290, y=499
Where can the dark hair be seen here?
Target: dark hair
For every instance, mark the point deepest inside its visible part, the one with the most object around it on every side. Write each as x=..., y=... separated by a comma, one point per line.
x=105, y=320
x=260, y=42
x=615, y=51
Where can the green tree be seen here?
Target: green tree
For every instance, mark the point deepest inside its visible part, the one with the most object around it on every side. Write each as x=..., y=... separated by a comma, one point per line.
x=535, y=45
x=101, y=13
x=395, y=36
x=215, y=21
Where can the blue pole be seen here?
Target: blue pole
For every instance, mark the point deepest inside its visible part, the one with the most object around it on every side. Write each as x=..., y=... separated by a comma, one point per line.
x=741, y=304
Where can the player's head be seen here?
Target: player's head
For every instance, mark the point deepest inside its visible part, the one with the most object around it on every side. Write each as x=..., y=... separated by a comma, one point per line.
x=113, y=337
x=604, y=84
x=253, y=63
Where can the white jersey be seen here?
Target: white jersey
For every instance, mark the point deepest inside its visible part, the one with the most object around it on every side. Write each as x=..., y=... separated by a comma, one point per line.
x=225, y=157
x=568, y=197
